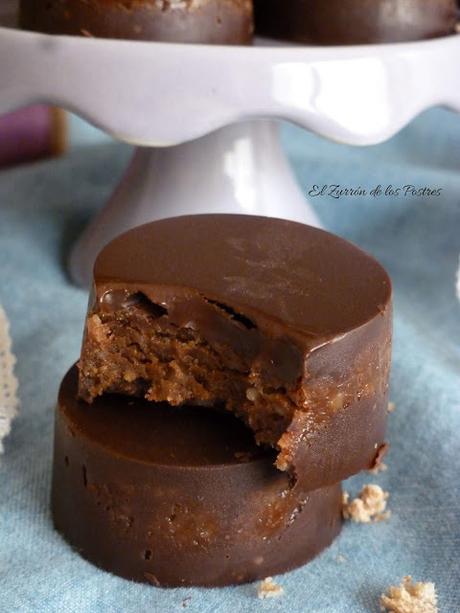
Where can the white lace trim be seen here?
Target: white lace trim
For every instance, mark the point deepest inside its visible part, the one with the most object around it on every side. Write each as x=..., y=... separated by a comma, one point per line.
x=8, y=383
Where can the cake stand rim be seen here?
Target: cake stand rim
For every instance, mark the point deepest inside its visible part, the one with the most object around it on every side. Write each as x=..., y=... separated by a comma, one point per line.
x=278, y=94
x=261, y=44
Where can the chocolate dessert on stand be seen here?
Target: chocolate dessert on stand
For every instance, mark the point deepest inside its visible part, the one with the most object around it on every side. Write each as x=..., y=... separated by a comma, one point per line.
x=230, y=22
x=353, y=22
x=227, y=22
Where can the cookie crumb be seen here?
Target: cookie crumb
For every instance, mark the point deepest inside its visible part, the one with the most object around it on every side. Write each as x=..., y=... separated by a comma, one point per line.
x=368, y=507
x=410, y=597
x=391, y=407
x=269, y=589
x=340, y=559
x=379, y=468
x=186, y=602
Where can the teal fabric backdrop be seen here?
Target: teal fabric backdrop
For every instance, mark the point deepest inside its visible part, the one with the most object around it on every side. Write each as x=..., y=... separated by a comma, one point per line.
x=42, y=210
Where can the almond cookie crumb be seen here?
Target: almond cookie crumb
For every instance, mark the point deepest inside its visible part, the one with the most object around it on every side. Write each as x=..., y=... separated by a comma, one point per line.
x=269, y=589
x=391, y=407
x=379, y=468
x=410, y=597
x=369, y=507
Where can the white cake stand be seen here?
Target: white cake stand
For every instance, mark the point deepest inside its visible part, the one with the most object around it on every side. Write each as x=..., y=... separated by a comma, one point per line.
x=203, y=117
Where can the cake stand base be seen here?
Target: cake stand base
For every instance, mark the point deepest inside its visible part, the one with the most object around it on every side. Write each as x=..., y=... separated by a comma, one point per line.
x=238, y=169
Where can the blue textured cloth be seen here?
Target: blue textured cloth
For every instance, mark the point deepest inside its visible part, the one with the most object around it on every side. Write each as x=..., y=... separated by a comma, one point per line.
x=43, y=208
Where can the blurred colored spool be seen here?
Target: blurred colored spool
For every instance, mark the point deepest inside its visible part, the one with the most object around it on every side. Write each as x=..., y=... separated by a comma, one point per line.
x=31, y=134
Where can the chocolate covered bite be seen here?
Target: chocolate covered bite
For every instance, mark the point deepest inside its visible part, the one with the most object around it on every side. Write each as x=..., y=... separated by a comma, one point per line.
x=179, y=497
x=351, y=22
x=183, y=21
x=284, y=325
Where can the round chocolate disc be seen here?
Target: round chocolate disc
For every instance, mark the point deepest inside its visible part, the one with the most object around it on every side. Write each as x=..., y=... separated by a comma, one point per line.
x=179, y=496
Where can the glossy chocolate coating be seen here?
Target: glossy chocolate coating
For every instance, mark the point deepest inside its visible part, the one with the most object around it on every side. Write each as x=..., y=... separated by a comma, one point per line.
x=189, y=21
x=352, y=22
x=304, y=316
x=291, y=277
x=179, y=496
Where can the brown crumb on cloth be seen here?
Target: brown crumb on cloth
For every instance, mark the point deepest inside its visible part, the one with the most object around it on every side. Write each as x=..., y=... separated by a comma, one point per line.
x=410, y=597
x=391, y=407
x=269, y=589
x=379, y=468
x=369, y=507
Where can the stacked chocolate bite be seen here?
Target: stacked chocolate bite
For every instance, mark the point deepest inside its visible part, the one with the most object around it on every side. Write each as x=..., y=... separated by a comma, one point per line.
x=230, y=22
x=234, y=370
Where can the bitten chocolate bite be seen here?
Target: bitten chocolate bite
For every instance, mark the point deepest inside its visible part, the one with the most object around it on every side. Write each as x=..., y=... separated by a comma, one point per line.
x=286, y=326
x=352, y=22
x=182, y=21
x=179, y=496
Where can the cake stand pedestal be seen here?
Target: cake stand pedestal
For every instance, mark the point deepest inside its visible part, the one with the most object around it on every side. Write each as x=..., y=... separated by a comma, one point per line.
x=203, y=117
x=238, y=169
